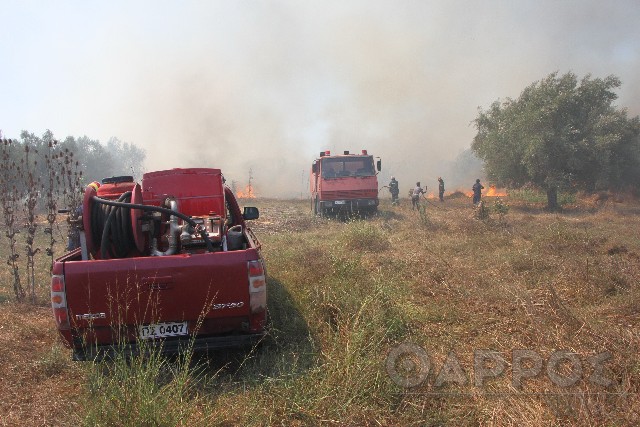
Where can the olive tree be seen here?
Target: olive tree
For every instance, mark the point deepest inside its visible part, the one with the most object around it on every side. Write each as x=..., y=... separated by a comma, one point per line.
x=560, y=133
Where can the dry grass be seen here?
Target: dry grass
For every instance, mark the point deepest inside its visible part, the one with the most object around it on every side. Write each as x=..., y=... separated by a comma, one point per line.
x=39, y=381
x=344, y=293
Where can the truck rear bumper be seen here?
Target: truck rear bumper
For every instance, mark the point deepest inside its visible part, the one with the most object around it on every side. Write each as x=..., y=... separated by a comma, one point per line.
x=166, y=347
x=349, y=204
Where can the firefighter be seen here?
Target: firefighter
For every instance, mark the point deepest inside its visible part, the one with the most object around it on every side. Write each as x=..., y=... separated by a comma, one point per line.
x=477, y=191
x=415, y=196
x=394, y=190
x=73, y=232
x=441, y=188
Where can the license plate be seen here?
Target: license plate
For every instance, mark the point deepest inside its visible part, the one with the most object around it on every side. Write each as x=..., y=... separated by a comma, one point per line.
x=339, y=202
x=163, y=330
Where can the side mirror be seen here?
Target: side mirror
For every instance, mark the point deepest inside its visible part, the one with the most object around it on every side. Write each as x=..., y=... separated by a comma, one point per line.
x=251, y=212
x=314, y=167
x=379, y=165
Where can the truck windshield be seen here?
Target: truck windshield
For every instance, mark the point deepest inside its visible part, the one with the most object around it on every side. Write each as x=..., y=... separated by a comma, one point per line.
x=347, y=166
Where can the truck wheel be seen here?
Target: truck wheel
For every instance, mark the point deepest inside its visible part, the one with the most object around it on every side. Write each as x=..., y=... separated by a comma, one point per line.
x=368, y=212
x=315, y=207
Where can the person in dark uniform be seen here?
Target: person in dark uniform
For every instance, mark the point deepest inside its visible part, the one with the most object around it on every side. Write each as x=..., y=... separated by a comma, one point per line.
x=73, y=232
x=394, y=190
x=415, y=196
x=441, y=188
x=477, y=191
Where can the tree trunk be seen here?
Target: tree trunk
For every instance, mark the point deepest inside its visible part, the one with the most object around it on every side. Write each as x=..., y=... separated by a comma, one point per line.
x=552, y=199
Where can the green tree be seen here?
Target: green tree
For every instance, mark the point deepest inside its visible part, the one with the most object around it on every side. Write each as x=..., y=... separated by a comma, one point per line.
x=98, y=161
x=128, y=158
x=560, y=133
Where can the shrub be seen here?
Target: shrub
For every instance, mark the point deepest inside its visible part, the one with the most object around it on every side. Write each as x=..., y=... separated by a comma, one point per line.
x=425, y=221
x=500, y=208
x=481, y=211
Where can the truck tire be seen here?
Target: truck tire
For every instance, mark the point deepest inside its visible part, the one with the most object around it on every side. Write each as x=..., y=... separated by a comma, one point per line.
x=315, y=206
x=319, y=209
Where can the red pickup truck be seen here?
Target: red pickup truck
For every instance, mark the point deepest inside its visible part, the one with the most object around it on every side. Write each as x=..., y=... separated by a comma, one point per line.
x=169, y=262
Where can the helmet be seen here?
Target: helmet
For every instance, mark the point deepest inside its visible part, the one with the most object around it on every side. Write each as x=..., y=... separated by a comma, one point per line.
x=393, y=177
x=418, y=183
x=478, y=180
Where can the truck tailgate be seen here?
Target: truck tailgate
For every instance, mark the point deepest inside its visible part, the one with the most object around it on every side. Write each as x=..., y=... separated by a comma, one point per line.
x=175, y=288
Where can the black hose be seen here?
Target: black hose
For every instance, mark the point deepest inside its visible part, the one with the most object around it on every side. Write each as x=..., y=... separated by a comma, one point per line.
x=120, y=234
x=111, y=229
x=123, y=220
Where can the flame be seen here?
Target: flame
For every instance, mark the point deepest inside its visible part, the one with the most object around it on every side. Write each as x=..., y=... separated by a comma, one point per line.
x=431, y=196
x=493, y=192
x=248, y=193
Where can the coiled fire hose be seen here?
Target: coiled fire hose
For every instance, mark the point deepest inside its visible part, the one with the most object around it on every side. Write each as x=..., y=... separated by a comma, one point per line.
x=110, y=224
x=113, y=220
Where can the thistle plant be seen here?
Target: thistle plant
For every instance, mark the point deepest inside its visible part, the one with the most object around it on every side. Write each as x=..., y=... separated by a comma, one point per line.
x=32, y=182
x=71, y=184
x=9, y=202
x=50, y=189
x=72, y=179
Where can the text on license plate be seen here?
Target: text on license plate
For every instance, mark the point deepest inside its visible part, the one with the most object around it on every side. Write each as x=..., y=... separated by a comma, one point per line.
x=162, y=330
x=340, y=202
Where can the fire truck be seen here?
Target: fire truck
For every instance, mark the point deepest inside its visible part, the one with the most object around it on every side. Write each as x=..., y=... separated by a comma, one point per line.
x=344, y=183
x=169, y=263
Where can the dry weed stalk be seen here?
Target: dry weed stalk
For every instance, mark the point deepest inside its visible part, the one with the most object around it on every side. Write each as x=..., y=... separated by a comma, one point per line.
x=11, y=196
x=50, y=188
x=70, y=183
x=24, y=183
x=30, y=203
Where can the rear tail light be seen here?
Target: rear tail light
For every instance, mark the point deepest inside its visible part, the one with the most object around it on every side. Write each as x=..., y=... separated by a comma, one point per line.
x=257, y=287
x=57, y=283
x=59, y=302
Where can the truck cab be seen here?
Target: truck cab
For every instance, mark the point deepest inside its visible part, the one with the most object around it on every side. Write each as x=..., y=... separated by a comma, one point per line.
x=344, y=183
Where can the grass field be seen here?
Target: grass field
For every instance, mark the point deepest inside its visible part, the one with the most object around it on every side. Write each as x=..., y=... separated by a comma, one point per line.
x=467, y=297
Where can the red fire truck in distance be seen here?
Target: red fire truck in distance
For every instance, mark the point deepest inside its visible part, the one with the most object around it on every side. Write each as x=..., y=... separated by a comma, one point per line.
x=345, y=182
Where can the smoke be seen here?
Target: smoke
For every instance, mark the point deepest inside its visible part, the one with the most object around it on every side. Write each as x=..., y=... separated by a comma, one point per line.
x=267, y=85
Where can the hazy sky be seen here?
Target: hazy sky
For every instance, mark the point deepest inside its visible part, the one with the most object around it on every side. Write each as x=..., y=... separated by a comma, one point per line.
x=268, y=84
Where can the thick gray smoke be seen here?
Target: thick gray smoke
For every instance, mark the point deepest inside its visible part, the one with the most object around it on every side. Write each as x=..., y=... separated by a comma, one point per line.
x=267, y=85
